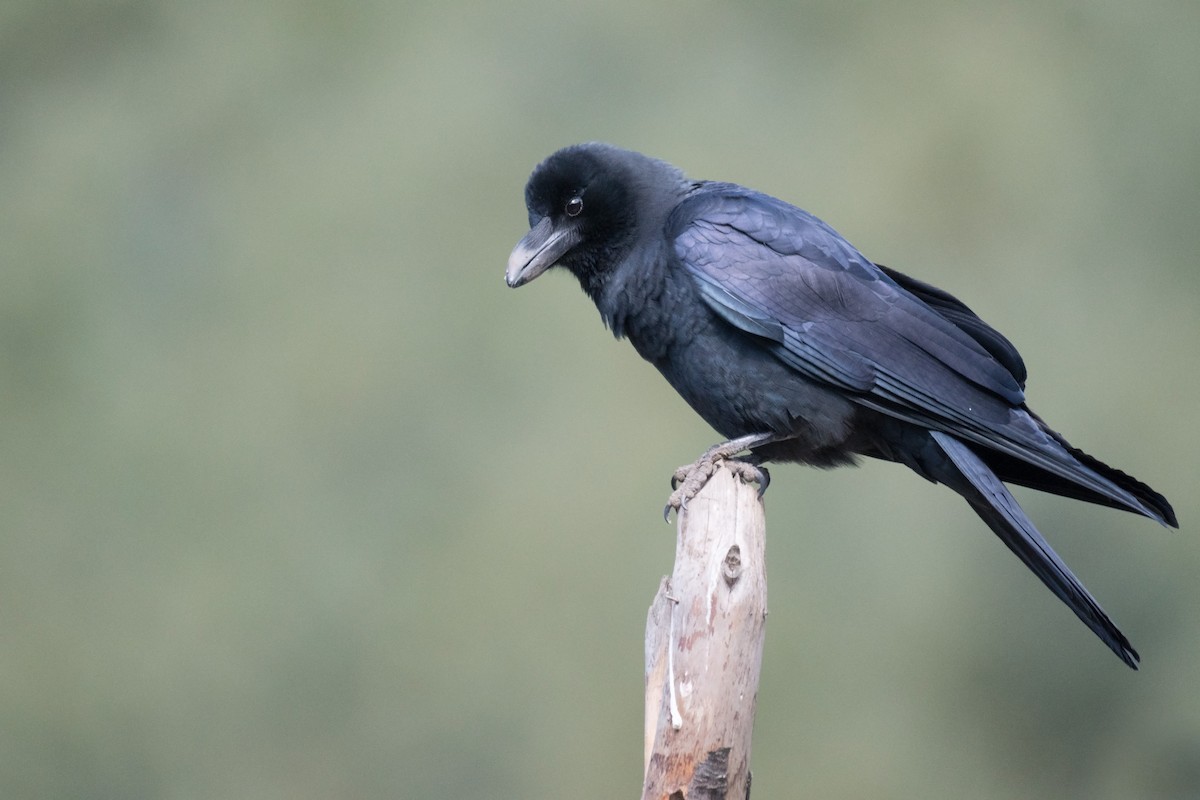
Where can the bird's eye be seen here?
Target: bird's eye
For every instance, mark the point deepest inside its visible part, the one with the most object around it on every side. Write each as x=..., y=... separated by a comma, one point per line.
x=574, y=206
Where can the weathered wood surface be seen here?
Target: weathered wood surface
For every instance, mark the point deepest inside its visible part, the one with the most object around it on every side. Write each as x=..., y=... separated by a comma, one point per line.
x=704, y=639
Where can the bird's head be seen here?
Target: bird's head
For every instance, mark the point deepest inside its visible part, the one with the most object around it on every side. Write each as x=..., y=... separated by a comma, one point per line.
x=587, y=205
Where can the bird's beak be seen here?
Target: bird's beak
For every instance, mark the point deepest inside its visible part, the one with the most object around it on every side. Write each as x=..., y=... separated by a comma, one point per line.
x=537, y=252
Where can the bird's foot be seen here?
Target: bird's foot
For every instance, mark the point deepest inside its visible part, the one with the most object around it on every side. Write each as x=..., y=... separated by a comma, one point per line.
x=688, y=480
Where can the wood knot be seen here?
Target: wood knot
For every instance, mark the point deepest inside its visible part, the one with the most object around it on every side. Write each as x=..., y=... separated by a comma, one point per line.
x=711, y=778
x=731, y=568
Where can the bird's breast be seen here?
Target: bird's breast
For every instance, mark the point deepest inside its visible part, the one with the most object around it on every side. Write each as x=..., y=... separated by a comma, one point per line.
x=735, y=383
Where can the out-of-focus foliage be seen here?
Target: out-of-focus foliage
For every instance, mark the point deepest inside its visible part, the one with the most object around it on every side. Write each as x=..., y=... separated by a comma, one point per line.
x=299, y=501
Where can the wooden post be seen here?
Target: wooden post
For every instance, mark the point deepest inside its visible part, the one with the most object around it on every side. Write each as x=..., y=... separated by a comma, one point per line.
x=704, y=640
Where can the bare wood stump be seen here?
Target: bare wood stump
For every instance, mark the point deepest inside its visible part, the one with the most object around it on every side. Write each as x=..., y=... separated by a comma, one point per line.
x=704, y=639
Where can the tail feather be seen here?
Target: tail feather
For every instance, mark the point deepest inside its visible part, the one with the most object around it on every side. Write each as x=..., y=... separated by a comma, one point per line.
x=965, y=472
x=1053, y=465
x=1026, y=451
x=1011, y=469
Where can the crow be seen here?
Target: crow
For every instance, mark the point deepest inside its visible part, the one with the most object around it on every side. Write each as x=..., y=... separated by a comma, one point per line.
x=797, y=348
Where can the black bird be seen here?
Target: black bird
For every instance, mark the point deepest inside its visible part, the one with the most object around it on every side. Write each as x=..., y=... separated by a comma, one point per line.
x=796, y=347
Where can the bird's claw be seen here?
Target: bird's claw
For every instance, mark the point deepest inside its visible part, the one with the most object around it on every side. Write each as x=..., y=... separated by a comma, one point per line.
x=751, y=473
x=762, y=478
x=688, y=480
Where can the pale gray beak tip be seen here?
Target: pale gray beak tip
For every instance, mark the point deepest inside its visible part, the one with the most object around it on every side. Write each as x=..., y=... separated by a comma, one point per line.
x=539, y=250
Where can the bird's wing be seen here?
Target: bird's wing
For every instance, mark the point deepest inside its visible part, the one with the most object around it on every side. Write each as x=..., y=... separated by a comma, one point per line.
x=956, y=311
x=778, y=272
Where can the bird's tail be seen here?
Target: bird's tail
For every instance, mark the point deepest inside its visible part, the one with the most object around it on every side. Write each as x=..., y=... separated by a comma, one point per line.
x=962, y=470
x=1075, y=474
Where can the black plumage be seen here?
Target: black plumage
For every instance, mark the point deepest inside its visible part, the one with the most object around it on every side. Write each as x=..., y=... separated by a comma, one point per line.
x=773, y=326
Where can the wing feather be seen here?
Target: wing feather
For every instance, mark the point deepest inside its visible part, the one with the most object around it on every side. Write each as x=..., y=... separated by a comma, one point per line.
x=775, y=267
x=827, y=311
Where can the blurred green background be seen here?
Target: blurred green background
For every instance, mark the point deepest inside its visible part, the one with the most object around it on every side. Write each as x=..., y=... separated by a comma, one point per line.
x=299, y=501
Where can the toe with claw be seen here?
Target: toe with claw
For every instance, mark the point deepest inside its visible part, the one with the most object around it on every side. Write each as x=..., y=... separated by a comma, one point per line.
x=688, y=480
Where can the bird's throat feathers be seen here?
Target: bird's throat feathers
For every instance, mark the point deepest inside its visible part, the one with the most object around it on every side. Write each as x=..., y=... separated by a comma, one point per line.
x=636, y=300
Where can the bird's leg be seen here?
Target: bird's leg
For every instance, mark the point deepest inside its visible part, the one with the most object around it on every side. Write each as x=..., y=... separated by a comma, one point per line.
x=688, y=480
